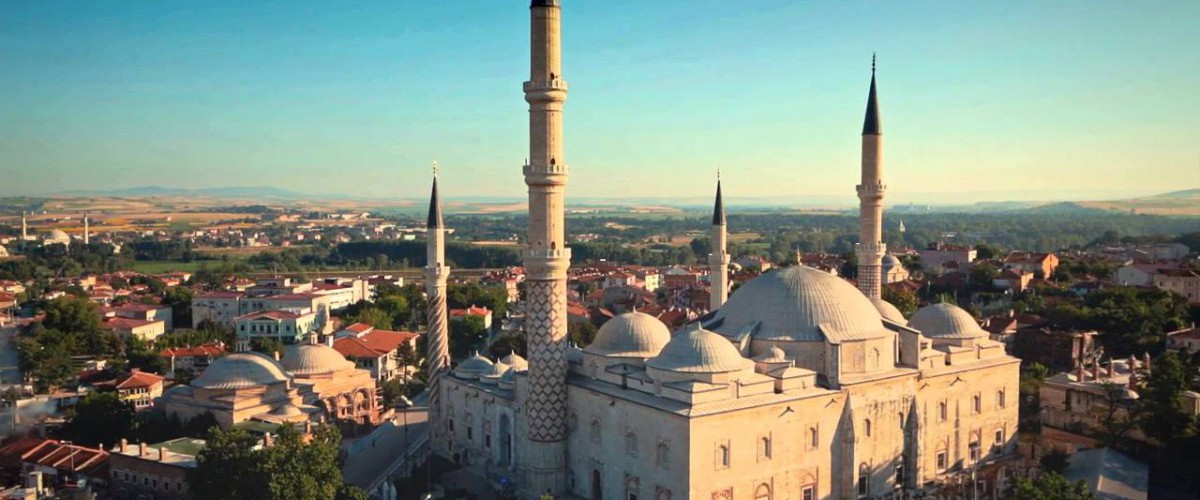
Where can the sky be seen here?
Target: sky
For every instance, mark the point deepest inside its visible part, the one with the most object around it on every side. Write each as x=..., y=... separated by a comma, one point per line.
x=979, y=100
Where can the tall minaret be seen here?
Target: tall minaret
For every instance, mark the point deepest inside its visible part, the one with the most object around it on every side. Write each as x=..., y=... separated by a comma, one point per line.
x=870, y=196
x=436, y=273
x=546, y=254
x=86, y=230
x=24, y=231
x=718, y=259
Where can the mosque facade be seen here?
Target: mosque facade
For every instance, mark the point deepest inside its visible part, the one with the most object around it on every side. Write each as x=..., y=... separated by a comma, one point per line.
x=798, y=386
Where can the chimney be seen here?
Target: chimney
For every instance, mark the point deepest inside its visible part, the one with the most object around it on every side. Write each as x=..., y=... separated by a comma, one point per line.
x=1110, y=368
x=267, y=440
x=1079, y=373
x=124, y=444
x=1132, y=363
x=1146, y=360
x=276, y=355
x=141, y=449
x=307, y=427
x=162, y=453
x=1096, y=371
x=329, y=340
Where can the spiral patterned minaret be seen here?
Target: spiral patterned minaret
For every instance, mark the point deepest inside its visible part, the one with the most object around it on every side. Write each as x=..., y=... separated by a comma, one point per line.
x=438, y=341
x=870, y=198
x=87, y=231
x=546, y=255
x=718, y=259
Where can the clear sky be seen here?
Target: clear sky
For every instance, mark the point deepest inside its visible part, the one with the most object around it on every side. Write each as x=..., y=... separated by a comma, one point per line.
x=1005, y=99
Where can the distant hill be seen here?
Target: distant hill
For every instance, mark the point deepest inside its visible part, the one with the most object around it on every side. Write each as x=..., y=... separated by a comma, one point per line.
x=220, y=192
x=1186, y=194
x=1063, y=208
x=1183, y=203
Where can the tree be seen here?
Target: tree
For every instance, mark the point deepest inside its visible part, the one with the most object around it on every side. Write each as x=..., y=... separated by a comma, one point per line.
x=986, y=251
x=100, y=418
x=1051, y=486
x=1161, y=399
x=179, y=299
x=902, y=298
x=228, y=467
x=1118, y=415
x=581, y=333
x=350, y=492
x=465, y=335
x=304, y=471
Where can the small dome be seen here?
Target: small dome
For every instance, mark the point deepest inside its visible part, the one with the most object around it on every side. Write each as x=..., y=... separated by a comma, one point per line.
x=889, y=311
x=946, y=321
x=773, y=355
x=239, y=371
x=632, y=335
x=287, y=410
x=492, y=375
x=890, y=262
x=792, y=303
x=314, y=359
x=57, y=236
x=515, y=361
x=697, y=350
x=180, y=390
x=473, y=367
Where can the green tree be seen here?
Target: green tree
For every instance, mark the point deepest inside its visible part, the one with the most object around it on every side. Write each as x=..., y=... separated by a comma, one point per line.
x=100, y=418
x=1051, y=486
x=179, y=299
x=466, y=335
x=1161, y=399
x=902, y=298
x=229, y=467
x=581, y=333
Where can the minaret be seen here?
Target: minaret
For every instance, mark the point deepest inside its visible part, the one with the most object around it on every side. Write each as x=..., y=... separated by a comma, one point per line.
x=24, y=231
x=436, y=272
x=870, y=197
x=546, y=254
x=86, y=230
x=718, y=259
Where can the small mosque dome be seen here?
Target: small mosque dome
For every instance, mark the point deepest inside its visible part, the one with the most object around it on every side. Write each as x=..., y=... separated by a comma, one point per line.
x=889, y=311
x=492, y=375
x=773, y=355
x=890, y=262
x=240, y=371
x=473, y=367
x=314, y=359
x=287, y=410
x=631, y=335
x=515, y=361
x=946, y=321
x=697, y=350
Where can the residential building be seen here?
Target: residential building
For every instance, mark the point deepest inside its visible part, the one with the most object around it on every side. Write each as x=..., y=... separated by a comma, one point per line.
x=194, y=359
x=1185, y=282
x=935, y=257
x=473, y=310
x=147, y=330
x=292, y=326
x=140, y=389
x=1032, y=263
x=156, y=470
x=382, y=352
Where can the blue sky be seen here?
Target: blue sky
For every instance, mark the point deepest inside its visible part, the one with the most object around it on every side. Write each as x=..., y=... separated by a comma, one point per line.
x=991, y=100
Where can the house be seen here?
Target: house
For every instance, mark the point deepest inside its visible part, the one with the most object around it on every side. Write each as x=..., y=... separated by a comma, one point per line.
x=1185, y=282
x=140, y=389
x=291, y=326
x=1032, y=262
x=147, y=330
x=382, y=352
x=937, y=255
x=1014, y=280
x=473, y=310
x=1136, y=274
x=1187, y=339
x=153, y=470
x=1057, y=349
x=144, y=312
x=219, y=307
x=57, y=462
x=194, y=359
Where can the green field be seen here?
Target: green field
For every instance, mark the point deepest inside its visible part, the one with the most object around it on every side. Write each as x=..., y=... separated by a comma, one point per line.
x=165, y=266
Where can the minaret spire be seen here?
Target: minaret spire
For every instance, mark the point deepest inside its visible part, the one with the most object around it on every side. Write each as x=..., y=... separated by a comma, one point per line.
x=718, y=259
x=24, y=231
x=546, y=255
x=870, y=195
x=86, y=230
x=438, y=337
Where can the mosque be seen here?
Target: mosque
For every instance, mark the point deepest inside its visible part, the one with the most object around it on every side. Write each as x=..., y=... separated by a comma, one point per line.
x=799, y=386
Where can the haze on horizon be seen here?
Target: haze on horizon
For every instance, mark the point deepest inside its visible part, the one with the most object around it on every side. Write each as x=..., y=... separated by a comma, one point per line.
x=1007, y=101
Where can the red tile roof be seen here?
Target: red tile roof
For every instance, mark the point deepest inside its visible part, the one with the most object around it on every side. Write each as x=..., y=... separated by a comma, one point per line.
x=119, y=323
x=470, y=311
x=221, y=294
x=200, y=350
x=138, y=379
x=270, y=315
x=372, y=345
x=358, y=328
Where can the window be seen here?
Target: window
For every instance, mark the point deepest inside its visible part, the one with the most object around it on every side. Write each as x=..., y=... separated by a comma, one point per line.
x=764, y=448
x=867, y=427
x=723, y=455
x=900, y=419
x=631, y=444
x=974, y=449
x=941, y=461
x=808, y=493
x=977, y=403
x=999, y=443
x=942, y=411
x=487, y=441
x=1000, y=402
x=595, y=431
x=814, y=438
x=763, y=492
x=663, y=455
x=864, y=475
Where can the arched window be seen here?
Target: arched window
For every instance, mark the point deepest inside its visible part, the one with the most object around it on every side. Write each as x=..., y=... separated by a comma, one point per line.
x=977, y=403
x=867, y=427
x=662, y=455
x=631, y=444
x=814, y=438
x=900, y=419
x=763, y=492
x=764, y=448
x=942, y=411
x=1000, y=400
x=595, y=431
x=723, y=456
x=864, y=479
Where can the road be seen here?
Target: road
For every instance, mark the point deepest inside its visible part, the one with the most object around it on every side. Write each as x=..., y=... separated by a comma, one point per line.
x=377, y=455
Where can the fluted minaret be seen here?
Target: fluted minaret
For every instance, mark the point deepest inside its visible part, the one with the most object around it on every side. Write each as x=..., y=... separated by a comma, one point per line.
x=437, y=343
x=546, y=254
x=870, y=197
x=86, y=230
x=24, y=231
x=718, y=259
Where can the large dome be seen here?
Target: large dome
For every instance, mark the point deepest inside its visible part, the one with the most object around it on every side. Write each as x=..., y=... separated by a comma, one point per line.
x=946, y=321
x=239, y=371
x=697, y=350
x=314, y=359
x=632, y=335
x=791, y=303
x=889, y=311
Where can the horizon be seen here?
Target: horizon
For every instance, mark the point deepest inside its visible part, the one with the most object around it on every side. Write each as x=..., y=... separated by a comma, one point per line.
x=332, y=101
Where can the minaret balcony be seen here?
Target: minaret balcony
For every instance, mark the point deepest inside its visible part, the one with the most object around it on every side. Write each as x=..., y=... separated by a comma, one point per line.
x=545, y=85
x=542, y=264
x=552, y=169
x=871, y=191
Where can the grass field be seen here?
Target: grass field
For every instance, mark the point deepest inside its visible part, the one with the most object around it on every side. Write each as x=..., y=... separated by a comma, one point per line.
x=166, y=266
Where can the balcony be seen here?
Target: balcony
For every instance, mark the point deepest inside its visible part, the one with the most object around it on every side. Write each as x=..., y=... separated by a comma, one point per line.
x=555, y=254
x=554, y=169
x=545, y=85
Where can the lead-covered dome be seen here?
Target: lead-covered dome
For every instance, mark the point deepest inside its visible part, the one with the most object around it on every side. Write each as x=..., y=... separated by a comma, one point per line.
x=889, y=311
x=946, y=321
x=697, y=350
x=314, y=359
x=239, y=371
x=790, y=304
x=515, y=361
x=473, y=367
x=633, y=335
